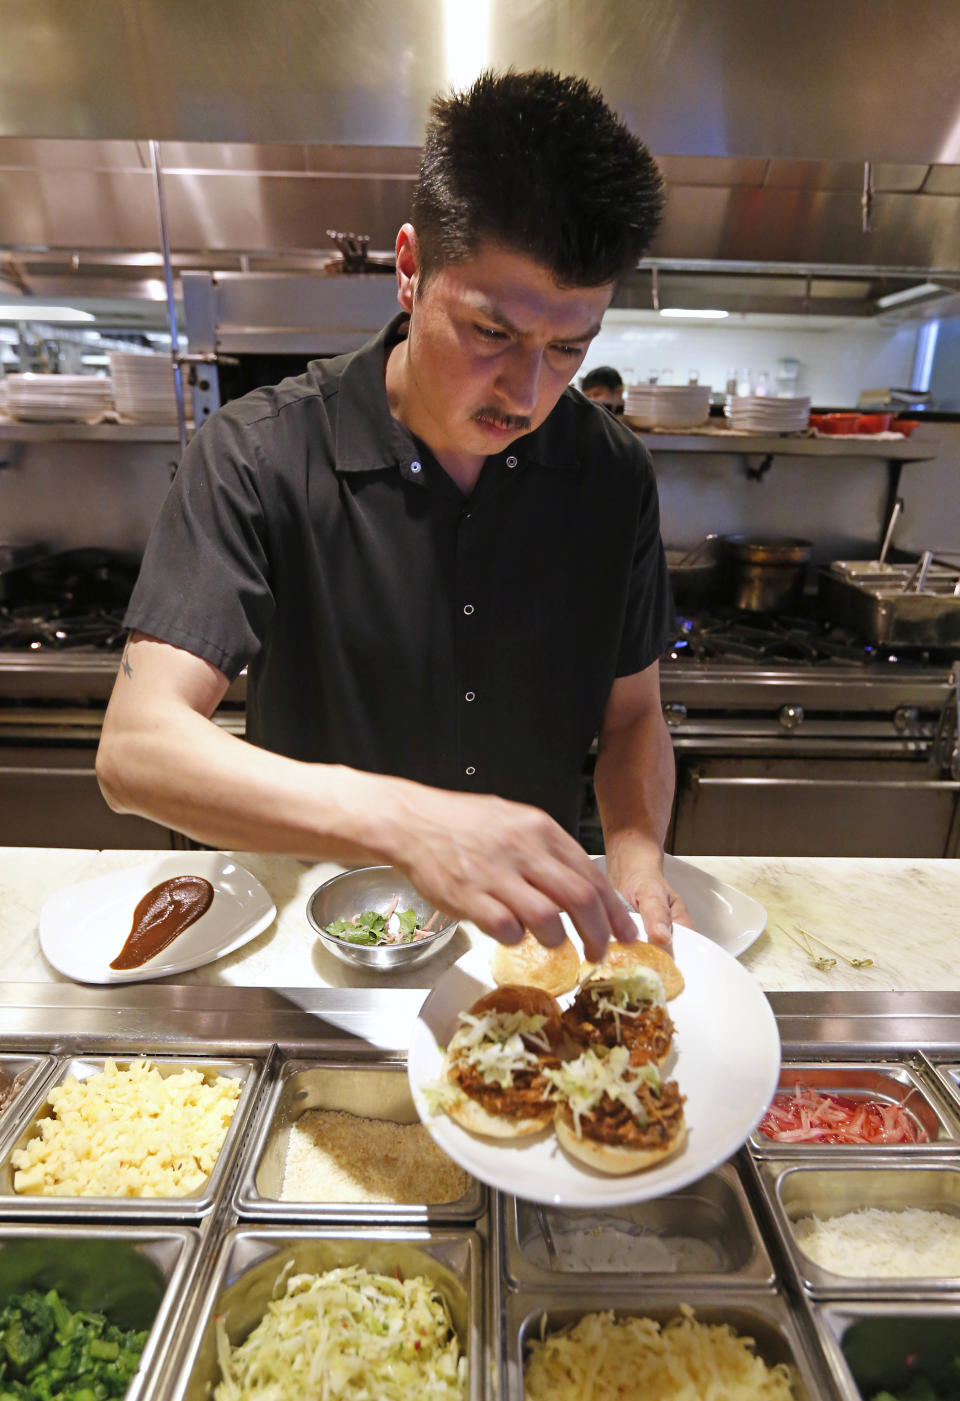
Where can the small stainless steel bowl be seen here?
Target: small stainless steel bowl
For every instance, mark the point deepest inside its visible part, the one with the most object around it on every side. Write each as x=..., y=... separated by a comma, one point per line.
x=373, y=888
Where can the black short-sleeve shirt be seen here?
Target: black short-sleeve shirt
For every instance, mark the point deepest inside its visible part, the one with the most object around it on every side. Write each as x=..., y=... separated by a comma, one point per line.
x=391, y=623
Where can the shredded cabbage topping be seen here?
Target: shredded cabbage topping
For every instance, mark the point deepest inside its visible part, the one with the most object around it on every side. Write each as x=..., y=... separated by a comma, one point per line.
x=629, y=995
x=494, y=1043
x=346, y=1334
x=583, y=1082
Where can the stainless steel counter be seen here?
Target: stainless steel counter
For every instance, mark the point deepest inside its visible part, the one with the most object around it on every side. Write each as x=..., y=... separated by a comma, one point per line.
x=489, y=1255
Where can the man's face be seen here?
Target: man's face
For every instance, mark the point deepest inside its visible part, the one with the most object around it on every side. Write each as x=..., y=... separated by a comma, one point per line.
x=493, y=343
x=613, y=398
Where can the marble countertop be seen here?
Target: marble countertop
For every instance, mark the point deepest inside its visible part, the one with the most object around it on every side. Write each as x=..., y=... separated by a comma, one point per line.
x=904, y=915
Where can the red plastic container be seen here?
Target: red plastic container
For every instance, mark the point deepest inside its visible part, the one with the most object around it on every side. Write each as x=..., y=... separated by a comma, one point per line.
x=875, y=423
x=839, y=422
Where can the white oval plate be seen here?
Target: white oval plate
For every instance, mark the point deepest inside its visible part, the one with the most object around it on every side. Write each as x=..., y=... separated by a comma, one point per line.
x=720, y=911
x=83, y=927
x=727, y=1064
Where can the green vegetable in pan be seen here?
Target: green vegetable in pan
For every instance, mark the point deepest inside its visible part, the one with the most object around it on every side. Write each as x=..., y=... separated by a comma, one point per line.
x=49, y=1352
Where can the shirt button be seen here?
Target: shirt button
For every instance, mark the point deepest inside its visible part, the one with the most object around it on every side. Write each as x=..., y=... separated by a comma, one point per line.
x=415, y=466
x=470, y=770
x=471, y=695
x=468, y=609
x=511, y=461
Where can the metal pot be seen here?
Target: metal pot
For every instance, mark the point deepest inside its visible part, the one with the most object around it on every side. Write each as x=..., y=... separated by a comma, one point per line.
x=767, y=574
x=696, y=576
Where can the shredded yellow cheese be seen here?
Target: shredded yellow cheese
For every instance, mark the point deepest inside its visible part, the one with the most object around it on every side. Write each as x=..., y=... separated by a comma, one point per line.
x=603, y=1358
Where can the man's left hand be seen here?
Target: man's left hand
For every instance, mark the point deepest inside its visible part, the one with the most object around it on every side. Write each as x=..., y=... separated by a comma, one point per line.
x=658, y=905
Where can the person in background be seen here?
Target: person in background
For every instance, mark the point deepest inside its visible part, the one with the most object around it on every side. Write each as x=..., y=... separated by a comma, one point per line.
x=604, y=386
x=389, y=543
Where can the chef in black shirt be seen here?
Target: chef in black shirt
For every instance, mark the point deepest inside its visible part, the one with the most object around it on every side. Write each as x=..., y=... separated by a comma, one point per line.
x=441, y=564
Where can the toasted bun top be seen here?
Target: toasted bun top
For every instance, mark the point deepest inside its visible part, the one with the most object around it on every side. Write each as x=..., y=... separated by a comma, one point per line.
x=624, y=958
x=530, y=963
x=513, y=998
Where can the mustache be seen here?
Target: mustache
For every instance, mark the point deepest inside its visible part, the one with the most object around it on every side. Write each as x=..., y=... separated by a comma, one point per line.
x=503, y=420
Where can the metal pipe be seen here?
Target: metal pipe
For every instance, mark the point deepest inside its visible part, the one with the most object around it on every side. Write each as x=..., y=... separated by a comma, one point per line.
x=171, y=304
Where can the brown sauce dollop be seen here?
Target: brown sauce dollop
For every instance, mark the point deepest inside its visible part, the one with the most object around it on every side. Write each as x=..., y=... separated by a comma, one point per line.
x=163, y=913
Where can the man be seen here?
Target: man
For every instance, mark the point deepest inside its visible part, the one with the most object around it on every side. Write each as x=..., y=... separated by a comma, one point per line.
x=440, y=598
x=604, y=386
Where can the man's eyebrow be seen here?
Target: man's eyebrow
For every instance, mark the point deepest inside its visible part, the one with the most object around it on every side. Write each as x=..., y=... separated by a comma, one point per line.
x=492, y=313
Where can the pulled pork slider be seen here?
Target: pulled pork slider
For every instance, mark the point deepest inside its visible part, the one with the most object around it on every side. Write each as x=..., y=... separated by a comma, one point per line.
x=496, y=1063
x=616, y=1116
x=622, y=1009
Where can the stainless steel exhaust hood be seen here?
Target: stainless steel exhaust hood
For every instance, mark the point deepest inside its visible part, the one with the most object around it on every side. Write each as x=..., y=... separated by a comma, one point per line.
x=280, y=121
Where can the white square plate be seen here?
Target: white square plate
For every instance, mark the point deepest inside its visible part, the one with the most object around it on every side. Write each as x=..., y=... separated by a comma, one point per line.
x=83, y=927
x=720, y=911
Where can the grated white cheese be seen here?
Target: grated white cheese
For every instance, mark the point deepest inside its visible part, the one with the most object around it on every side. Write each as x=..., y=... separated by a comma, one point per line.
x=909, y=1244
x=603, y=1358
x=333, y=1156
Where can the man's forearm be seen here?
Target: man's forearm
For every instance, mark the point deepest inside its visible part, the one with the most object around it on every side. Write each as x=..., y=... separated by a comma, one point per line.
x=634, y=781
x=183, y=771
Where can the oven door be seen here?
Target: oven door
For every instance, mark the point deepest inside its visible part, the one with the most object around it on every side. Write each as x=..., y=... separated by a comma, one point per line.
x=49, y=796
x=813, y=807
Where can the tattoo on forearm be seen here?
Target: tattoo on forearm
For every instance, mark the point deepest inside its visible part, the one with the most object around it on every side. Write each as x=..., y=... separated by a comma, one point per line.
x=125, y=666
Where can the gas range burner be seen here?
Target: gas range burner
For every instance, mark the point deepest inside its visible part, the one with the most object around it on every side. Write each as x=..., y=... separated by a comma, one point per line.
x=72, y=601
x=29, y=628
x=739, y=638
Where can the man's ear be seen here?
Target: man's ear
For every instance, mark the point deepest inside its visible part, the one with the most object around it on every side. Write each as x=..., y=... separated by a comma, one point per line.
x=408, y=266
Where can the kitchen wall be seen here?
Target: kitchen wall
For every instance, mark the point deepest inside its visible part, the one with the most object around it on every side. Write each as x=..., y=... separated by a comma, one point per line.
x=837, y=359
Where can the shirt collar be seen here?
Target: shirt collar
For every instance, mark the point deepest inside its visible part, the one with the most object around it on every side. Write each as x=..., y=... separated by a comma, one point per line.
x=369, y=438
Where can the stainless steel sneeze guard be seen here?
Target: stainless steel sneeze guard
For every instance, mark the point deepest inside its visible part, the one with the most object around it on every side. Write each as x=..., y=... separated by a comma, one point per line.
x=500, y=1287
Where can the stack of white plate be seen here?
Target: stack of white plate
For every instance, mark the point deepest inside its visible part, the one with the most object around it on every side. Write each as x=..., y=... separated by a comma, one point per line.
x=53, y=398
x=758, y=413
x=143, y=387
x=668, y=405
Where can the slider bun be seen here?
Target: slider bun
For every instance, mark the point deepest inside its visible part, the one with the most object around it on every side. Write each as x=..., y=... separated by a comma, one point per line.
x=625, y=958
x=474, y=1117
x=534, y=1001
x=555, y=970
x=610, y=1157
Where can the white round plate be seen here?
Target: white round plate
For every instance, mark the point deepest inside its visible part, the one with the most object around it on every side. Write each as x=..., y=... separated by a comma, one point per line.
x=84, y=927
x=720, y=911
x=727, y=1064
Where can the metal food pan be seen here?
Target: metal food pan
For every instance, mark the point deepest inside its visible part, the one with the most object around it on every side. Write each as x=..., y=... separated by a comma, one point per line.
x=892, y=1082
x=368, y=1090
x=138, y=1276
x=549, y=1248
x=830, y=1191
x=763, y=1317
x=867, y=1344
x=948, y=1076
x=249, y=1262
x=187, y=1208
x=34, y=1072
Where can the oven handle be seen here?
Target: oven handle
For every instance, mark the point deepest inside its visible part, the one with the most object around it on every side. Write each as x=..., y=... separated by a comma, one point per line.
x=935, y=785
x=39, y=771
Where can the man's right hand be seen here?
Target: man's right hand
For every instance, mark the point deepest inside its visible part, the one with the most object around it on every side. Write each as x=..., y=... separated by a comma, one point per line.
x=505, y=866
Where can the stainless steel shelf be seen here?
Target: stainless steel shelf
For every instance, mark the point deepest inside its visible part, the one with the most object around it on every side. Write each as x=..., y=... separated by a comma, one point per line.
x=89, y=433
x=760, y=444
